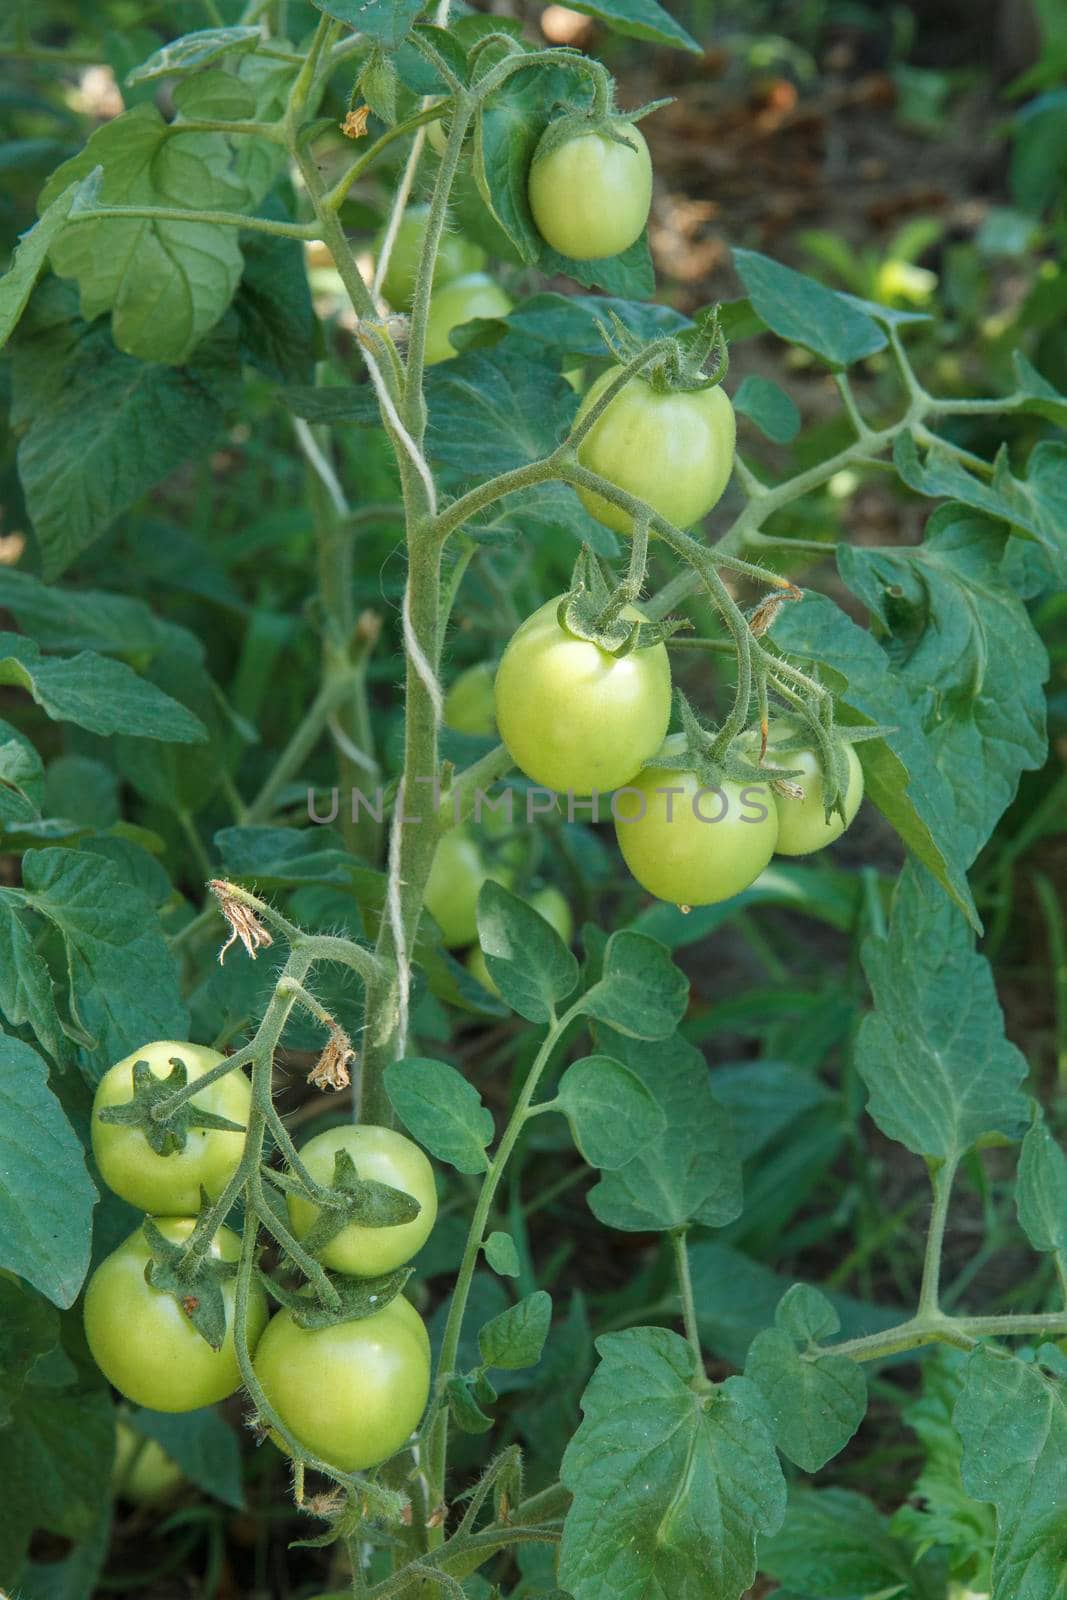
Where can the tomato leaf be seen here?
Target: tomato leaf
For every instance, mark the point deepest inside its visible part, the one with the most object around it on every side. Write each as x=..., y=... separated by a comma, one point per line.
x=201, y=1443
x=501, y=1254
x=688, y=1171
x=815, y=1400
x=194, y=51
x=769, y=407
x=441, y=1110
x=610, y=1110
x=517, y=1336
x=630, y=274
x=1041, y=1191
x=466, y=1412
x=641, y=993
x=388, y=21
x=836, y=1542
x=805, y=312
x=526, y=958
x=31, y=252
x=671, y=1487
x=640, y=19
x=507, y=129
x=939, y=1071
x=29, y=1327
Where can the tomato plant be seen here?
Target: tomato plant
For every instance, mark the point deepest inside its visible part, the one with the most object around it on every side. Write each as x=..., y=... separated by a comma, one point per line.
x=539, y=1031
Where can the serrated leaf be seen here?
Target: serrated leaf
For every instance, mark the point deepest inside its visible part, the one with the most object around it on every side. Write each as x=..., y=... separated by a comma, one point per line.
x=194, y=51
x=501, y=1254
x=689, y=1172
x=671, y=1486
x=30, y=255
x=900, y=774
x=98, y=428
x=517, y=1336
x=640, y=19
x=611, y=1112
x=526, y=958
x=29, y=1327
x=939, y=1071
x=95, y=692
x=388, y=21
x=630, y=274
x=1013, y=1423
x=815, y=1403
x=571, y=324
x=46, y=1194
x=805, y=312
x=641, y=993
x=960, y=642
x=466, y=1412
x=21, y=778
x=166, y=284
x=442, y=1111
x=769, y=407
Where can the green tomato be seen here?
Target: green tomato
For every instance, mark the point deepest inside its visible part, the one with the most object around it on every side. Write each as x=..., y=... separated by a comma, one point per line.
x=456, y=303
x=144, y=1474
x=591, y=196
x=802, y=824
x=169, y=1186
x=469, y=702
x=387, y=1157
x=548, y=903
x=142, y=1340
x=456, y=257
x=696, y=846
x=353, y=1393
x=573, y=717
x=455, y=880
x=674, y=450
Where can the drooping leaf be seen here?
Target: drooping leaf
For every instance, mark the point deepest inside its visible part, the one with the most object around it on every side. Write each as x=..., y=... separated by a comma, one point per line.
x=805, y=312
x=526, y=958
x=671, y=1486
x=202, y=1445
x=769, y=407
x=192, y=52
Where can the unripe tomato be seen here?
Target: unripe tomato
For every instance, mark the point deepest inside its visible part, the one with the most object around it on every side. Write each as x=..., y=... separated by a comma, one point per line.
x=455, y=303
x=573, y=717
x=591, y=196
x=455, y=258
x=142, y=1340
x=351, y=1394
x=169, y=1186
x=456, y=878
x=469, y=702
x=673, y=450
x=802, y=824
x=548, y=903
x=696, y=846
x=387, y=1157
x=143, y=1474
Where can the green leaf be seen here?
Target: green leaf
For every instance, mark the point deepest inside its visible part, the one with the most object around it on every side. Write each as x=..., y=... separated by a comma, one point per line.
x=639, y=19
x=610, y=1111
x=517, y=1336
x=642, y=993
x=276, y=321
x=1013, y=1423
x=501, y=1254
x=29, y=1328
x=902, y=777
x=763, y=1099
x=89, y=619
x=526, y=958
x=689, y=1172
x=670, y=1486
x=17, y=283
x=815, y=1401
x=1038, y=395
x=96, y=693
x=98, y=429
x=805, y=312
x=202, y=1445
x=571, y=324
x=26, y=996
x=194, y=51
x=123, y=977
x=507, y=129
x=836, y=1545
x=442, y=1111
x=388, y=21
x=629, y=274
x=961, y=643
x=166, y=284
x=938, y=1069
x=769, y=407
x=21, y=778
x=467, y=1414
x=491, y=410
x=826, y=893
x=1034, y=506
x=46, y=1195
x=1041, y=1190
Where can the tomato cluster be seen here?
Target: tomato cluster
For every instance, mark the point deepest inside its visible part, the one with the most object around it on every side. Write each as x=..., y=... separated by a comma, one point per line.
x=351, y=1392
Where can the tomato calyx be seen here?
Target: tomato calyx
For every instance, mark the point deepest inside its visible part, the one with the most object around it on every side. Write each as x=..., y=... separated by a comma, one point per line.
x=681, y=368
x=594, y=610
x=197, y=1291
x=166, y=1135
x=357, y=1298
x=352, y=1199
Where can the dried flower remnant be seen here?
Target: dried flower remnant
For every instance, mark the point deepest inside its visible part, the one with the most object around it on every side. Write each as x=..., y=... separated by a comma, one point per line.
x=244, y=924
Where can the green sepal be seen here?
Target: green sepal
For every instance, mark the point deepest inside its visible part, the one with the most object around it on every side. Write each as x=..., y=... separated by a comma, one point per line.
x=482, y=1387
x=378, y=84
x=466, y=1413
x=365, y=1201
x=585, y=611
x=357, y=1298
x=199, y=1294
x=167, y=1137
